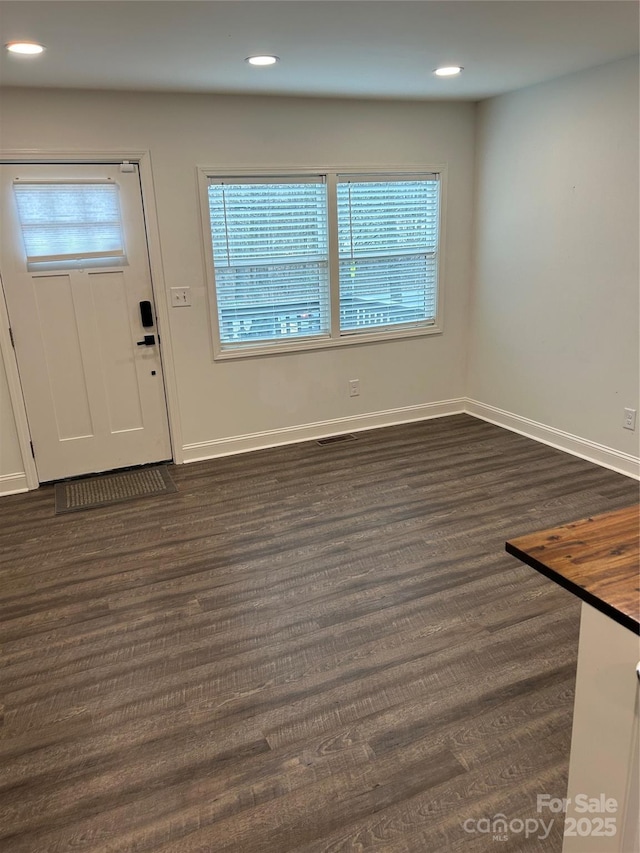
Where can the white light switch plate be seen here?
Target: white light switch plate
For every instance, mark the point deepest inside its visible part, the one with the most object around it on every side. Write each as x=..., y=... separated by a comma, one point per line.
x=180, y=297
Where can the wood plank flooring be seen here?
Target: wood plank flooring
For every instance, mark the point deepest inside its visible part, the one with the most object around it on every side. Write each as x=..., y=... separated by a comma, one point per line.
x=309, y=649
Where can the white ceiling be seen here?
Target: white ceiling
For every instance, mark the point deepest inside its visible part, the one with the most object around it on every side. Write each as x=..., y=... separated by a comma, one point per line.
x=345, y=48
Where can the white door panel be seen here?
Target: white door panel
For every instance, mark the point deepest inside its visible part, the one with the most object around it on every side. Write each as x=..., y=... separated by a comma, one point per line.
x=94, y=398
x=116, y=349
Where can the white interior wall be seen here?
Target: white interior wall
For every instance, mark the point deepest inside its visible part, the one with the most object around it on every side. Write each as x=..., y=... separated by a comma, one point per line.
x=554, y=326
x=553, y=337
x=267, y=397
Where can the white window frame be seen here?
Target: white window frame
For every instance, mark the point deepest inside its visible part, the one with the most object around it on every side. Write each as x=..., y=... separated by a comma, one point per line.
x=336, y=337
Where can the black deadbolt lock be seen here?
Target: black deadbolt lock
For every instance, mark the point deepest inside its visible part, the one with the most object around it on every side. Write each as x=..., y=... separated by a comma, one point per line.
x=146, y=314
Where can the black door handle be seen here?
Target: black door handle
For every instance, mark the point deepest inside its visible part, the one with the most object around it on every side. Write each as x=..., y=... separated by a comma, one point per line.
x=146, y=314
x=149, y=341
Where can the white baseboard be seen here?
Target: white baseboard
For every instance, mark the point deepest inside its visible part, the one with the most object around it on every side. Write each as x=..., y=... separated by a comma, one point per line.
x=600, y=454
x=12, y=484
x=321, y=429
x=616, y=460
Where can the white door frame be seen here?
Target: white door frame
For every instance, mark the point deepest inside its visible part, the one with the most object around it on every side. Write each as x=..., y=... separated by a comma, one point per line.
x=143, y=159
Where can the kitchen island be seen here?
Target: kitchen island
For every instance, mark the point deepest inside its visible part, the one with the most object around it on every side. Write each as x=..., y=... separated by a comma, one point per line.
x=598, y=560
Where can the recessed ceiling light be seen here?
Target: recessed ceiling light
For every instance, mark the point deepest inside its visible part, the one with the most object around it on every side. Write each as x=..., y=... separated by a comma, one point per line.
x=448, y=70
x=262, y=60
x=26, y=48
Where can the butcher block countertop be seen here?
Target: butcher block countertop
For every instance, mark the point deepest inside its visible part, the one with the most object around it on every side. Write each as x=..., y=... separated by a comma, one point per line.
x=597, y=558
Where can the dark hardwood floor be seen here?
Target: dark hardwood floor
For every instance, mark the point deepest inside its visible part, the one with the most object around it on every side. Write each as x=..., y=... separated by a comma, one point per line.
x=310, y=649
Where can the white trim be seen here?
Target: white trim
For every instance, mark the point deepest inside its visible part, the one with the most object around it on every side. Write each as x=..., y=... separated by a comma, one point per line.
x=607, y=457
x=161, y=299
x=8, y=355
x=398, y=172
x=600, y=454
x=321, y=429
x=33, y=156
x=347, y=339
x=13, y=484
x=142, y=158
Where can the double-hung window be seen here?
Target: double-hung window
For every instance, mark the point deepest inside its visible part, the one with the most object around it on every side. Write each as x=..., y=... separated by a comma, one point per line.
x=271, y=259
x=312, y=260
x=388, y=243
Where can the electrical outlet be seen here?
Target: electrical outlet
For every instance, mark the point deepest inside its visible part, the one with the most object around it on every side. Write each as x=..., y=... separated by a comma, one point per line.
x=180, y=297
x=629, y=419
x=354, y=387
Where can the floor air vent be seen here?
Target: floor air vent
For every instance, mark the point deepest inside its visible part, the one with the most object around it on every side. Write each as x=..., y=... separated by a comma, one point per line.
x=336, y=439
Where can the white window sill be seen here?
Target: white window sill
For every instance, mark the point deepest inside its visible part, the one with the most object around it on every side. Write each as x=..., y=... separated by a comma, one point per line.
x=309, y=344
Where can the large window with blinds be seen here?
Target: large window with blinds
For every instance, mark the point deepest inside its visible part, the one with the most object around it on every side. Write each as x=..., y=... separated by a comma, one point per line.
x=312, y=260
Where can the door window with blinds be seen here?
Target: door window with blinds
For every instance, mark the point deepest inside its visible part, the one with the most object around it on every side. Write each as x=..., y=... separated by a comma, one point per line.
x=66, y=224
x=303, y=261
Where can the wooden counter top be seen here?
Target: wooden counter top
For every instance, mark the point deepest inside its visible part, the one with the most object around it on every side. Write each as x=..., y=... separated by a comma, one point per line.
x=597, y=558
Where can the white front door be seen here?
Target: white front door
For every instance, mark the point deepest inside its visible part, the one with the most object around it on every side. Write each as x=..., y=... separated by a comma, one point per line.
x=75, y=269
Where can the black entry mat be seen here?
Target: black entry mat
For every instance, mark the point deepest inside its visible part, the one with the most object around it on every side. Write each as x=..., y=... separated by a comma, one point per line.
x=92, y=492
